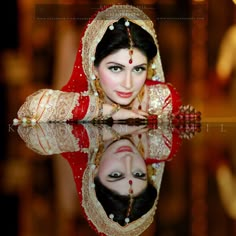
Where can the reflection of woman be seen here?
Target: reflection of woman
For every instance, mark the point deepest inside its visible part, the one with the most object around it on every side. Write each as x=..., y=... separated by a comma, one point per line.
x=117, y=169
x=118, y=191
x=117, y=74
x=121, y=183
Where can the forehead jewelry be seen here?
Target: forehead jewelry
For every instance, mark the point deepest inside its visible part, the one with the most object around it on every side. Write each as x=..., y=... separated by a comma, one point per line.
x=127, y=220
x=131, y=43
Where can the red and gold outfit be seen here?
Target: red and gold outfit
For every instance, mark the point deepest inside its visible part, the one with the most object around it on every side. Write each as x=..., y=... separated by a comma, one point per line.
x=79, y=98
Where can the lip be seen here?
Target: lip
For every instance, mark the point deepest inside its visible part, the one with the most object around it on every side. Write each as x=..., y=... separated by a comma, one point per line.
x=124, y=149
x=124, y=94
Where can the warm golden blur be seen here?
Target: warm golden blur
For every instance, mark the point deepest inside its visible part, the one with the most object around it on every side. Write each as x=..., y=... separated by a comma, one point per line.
x=197, y=42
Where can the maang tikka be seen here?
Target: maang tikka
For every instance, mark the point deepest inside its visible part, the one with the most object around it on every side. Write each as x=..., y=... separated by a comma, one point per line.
x=127, y=219
x=131, y=43
x=131, y=200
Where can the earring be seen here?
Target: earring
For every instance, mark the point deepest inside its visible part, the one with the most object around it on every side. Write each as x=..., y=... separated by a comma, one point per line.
x=98, y=88
x=92, y=84
x=140, y=148
x=98, y=155
x=155, y=77
x=140, y=98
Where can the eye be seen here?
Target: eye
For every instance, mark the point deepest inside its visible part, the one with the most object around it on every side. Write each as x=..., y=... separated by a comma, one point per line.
x=115, y=69
x=139, y=174
x=139, y=69
x=115, y=174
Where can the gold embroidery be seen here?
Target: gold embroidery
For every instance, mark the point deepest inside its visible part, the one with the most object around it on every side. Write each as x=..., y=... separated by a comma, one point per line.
x=160, y=100
x=49, y=138
x=49, y=105
x=93, y=108
x=160, y=142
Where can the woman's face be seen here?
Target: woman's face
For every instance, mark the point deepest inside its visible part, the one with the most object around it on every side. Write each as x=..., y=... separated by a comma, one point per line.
x=120, y=163
x=120, y=80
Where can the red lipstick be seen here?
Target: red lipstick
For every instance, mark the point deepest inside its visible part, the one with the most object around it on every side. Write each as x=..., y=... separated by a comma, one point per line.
x=124, y=149
x=124, y=94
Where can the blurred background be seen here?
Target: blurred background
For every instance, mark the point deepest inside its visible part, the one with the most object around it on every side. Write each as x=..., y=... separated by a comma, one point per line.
x=197, y=40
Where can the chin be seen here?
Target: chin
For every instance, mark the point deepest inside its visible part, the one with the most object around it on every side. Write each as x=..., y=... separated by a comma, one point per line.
x=124, y=102
x=121, y=101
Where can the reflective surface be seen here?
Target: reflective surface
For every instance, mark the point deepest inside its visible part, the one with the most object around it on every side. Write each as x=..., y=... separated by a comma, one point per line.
x=38, y=194
x=41, y=193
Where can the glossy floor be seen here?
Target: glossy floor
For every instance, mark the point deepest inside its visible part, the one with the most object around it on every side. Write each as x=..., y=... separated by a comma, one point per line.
x=40, y=194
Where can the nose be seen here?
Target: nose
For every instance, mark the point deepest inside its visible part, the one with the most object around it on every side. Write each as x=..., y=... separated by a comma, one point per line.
x=129, y=176
x=128, y=163
x=127, y=81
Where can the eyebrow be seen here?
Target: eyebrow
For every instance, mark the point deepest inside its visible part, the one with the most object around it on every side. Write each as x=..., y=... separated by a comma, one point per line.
x=116, y=63
x=115, y=180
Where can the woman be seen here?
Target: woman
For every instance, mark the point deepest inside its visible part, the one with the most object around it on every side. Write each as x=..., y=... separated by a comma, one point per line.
x=117, y=74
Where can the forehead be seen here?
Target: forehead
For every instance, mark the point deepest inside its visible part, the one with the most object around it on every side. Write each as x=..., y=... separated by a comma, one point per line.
x=122, y=56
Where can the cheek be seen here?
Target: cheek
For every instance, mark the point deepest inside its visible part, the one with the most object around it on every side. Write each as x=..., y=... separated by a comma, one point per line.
x=106, y=79
x=106, y=161
x=107, y=166
x=140, y=81
x=104, y=165
x=139, y=163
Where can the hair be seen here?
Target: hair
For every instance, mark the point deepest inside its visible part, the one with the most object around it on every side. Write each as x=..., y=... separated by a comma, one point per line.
x=118, y=38
x=116, y=204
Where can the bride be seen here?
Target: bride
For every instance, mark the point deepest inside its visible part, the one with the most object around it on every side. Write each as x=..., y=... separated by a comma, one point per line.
x=117, y=74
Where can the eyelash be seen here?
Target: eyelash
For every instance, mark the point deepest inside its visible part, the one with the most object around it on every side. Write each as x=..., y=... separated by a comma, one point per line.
x=114, y=175
x=139, y=69
x=114, y=68
x=138, y=174
x=117, y=69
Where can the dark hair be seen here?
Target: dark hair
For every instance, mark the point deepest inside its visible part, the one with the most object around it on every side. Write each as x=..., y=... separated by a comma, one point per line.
x=116, y=204
x=117, y=38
